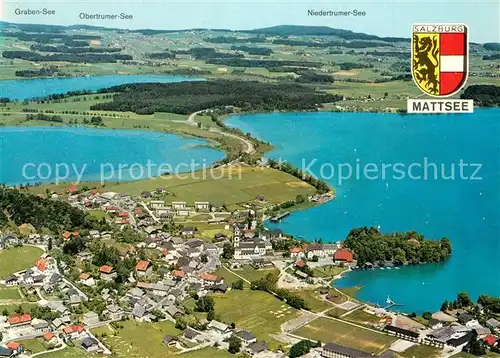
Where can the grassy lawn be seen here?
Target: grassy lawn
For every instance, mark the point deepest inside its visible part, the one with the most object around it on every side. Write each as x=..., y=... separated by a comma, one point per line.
x=16, y=259
x=68, y=352
x=229, y=277
x=314, y=303
x=34, y=345
x=11, y=308
x=209, y=352
x=328, y=330
x=468, y=355
x=252, y=274
x=360, y=316
x=421, y=351
x=140, y=339
x=263, y=313
x=11, y=293
x=328, y=271
x=349, y=291
x=336, y=312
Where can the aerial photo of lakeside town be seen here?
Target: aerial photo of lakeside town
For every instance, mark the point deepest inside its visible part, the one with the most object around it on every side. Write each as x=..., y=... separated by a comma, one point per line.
x=315, y=183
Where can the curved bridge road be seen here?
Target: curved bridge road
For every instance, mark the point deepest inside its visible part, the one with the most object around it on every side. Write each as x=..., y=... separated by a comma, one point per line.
x=248, y=145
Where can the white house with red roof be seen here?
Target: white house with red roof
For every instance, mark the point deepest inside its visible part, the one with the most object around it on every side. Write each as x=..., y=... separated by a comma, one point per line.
x=107, y=273
x=144, y=268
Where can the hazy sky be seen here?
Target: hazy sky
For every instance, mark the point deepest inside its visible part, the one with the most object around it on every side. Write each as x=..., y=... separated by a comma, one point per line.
x=383, y=18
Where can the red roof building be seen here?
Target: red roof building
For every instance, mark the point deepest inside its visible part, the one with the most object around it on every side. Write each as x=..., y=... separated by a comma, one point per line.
x=106, y=269
x=73, y=329
x=300, y=264
x=84, y=276
x=123, y=214
x=210, y=277
x=343, y=255
x=72, y=189
x=13, y=345
x=18, y=319
x=296, y=250
x=178, y=273
x=142, y=265
x=490, y=340
x=47, y=336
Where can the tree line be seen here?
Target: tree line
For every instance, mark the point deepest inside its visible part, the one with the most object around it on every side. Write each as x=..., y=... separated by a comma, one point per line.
x=370, y=245
x=253, y=50
x=67, y=57
x=67, y=49
x=483, y=95
x=268, y=284
x=44, y=117
x=189, y=97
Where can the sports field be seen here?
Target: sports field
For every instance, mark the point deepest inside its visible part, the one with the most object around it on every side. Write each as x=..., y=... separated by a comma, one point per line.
x=257, y=311
x=16, y=259
x=329, y=330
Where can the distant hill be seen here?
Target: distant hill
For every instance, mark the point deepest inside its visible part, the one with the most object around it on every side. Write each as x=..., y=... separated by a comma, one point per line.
x=294, y=30
x=282, y=30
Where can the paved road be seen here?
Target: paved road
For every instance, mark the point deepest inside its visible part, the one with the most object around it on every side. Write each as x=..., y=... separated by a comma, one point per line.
x=149, y=211
x=249, y=147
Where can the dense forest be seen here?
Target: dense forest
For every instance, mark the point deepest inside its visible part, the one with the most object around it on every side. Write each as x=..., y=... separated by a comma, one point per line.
x=491, y=57
x=57, y=216
x=258, y=51
x=370, y=245
x=189, y=97
x=80, y=58
x=492, y=46
x=160, y=55
x=483, y=95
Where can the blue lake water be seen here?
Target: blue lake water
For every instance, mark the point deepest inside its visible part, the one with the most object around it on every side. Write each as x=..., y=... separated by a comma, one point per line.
x=41, y=87
x=466, y=211
x=31, y=154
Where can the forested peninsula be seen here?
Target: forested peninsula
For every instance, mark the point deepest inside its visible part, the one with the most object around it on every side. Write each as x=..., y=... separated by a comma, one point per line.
x=372, y=247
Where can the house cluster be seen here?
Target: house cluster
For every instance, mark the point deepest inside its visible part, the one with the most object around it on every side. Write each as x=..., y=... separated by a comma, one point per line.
x=321, y=251
x=177, y=208
x=44, y=275
x=456, y=330
x=9, y=240
x=218, y=333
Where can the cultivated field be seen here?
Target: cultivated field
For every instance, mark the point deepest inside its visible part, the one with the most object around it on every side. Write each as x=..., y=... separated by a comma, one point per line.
x=18, y=258
x=329, y=330
x=237, y=186
x=263, y=313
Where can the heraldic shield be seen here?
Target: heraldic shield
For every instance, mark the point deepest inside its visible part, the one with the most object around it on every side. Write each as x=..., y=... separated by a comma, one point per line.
x=440, y=58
